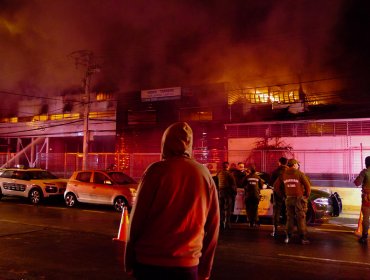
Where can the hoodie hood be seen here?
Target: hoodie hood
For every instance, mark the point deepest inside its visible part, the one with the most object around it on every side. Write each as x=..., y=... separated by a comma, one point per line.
x=177, y=140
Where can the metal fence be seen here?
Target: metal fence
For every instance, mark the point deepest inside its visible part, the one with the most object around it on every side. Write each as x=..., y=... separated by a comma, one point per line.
x=342, y=164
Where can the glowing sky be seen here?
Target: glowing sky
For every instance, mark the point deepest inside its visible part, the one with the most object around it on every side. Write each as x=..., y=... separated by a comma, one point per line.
x=145, y=44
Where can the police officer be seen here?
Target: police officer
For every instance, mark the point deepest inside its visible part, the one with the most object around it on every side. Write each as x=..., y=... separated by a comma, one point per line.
x=227, y=192
x=296, y=188
x=252, y=184
x=278, y=201
x=364, y=179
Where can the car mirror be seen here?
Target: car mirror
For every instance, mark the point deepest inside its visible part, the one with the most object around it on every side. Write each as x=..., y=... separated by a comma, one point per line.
x=108, y=182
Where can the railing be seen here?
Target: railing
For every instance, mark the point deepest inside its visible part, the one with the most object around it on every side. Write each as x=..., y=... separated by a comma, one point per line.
x=326, y=165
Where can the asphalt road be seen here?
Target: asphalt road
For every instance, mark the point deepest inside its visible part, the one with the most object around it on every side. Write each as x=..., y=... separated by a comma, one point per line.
x=52, y=242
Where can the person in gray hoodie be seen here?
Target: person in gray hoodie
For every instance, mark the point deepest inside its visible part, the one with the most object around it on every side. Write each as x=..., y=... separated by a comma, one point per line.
x=174, y=224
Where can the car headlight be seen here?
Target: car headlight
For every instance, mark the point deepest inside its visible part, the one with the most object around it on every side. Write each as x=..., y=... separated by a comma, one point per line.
x=322, y=200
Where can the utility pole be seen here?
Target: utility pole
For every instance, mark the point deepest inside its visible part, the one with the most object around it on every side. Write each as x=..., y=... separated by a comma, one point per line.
x=86, y=58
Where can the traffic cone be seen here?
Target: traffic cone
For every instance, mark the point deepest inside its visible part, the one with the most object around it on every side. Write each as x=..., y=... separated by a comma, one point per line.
x=359, y=225
x=123, y=228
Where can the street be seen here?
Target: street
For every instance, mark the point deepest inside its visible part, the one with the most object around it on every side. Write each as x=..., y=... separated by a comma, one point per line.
x=52, y=242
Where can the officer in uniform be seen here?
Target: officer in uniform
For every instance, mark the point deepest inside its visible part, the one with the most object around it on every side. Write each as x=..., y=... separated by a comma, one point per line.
x=252, y=184
x=296, y=188
x=364, y=179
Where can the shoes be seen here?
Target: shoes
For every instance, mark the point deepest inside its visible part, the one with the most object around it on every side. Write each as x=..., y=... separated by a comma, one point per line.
x=363, y=240
x=287, y=239
x=305, y=241
x=225, y=225
x=274, y=232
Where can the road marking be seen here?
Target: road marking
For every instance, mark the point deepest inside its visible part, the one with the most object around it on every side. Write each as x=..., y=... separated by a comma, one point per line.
x=51, y=207
x=324, y=260
x=335, y=230
x=93, y=211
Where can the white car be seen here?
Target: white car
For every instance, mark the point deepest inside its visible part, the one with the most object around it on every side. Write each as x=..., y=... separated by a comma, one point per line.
x=320, y=204
x=101, y=187
x=34, y=184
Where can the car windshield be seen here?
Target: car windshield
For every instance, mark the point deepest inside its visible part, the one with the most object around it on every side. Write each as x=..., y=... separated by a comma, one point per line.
x=121, y=178
x=36, y=175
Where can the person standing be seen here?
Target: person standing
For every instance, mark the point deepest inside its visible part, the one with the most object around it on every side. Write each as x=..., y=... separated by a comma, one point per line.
x=296, y=188
x=239, y=174
x=252, y=184
x=226, y=194
x=278, y=204
x=174, y=224
x=363, y=179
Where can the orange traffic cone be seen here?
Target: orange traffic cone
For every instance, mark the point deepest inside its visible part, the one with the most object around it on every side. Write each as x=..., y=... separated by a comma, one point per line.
x=359, y=225
x=123, y=228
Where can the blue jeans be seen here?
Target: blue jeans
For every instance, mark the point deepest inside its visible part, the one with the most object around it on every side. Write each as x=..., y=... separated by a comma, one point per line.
x=146, y=272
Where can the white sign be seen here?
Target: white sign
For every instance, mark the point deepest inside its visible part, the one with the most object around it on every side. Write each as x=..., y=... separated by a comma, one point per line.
x=161, y=94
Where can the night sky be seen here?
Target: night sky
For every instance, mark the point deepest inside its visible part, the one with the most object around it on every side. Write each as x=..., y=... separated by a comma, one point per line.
x=146, y=44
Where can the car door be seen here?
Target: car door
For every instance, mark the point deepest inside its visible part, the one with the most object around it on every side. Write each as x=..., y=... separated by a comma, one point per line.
x=82, y=186
x=265, y=207
x=102, y=188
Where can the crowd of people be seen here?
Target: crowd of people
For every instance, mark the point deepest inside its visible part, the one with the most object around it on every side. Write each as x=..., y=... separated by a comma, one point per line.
x=174, y=225
x=291, y=189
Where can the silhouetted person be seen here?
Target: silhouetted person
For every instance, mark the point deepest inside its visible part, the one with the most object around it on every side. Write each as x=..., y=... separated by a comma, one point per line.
x=296, y=188
x=252, y=184
x=278, y=201
x=226, y=194
x=363, y=179
x=175, y=222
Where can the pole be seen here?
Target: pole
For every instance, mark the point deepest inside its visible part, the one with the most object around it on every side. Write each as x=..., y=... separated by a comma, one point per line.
x=87, y=59
x=85, y=148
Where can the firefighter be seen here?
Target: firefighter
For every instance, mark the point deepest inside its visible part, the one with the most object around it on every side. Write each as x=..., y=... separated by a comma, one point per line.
x=364, y=179
x=296, y=188
x=252, y=184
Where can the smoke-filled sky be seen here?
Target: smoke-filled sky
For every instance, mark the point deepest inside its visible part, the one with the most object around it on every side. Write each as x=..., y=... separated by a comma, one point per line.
x=146, y=44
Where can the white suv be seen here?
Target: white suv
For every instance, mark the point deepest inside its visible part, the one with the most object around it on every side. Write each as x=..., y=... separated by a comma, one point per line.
x=35, y=184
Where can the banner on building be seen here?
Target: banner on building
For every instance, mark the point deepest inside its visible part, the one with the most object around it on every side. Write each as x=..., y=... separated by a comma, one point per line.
x=161, y=94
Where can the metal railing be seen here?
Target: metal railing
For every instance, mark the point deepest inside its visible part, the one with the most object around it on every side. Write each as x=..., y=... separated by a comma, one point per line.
x=342, y=164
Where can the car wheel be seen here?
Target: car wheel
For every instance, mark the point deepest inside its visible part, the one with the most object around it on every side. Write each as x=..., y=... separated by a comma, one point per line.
x=119, y=203
x=310, y=215
x=70, y=200
x=35, y=196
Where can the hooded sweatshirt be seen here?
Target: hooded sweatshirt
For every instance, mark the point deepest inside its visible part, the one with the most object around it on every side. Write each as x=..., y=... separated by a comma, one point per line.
x=175, y=221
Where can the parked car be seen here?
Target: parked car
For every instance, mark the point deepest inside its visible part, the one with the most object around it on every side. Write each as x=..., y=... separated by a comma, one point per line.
x=34, y=184
x=101, y=187
x=321, y=204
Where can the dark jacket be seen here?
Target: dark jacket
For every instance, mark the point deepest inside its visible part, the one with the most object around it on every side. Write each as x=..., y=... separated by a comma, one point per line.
x=252, y=184
x=292, y=182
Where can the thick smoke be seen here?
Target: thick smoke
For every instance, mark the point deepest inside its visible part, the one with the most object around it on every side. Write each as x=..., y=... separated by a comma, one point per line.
x=152, y=44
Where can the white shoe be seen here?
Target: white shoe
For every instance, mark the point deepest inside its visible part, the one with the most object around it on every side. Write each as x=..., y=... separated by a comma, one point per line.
x=287, y=239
